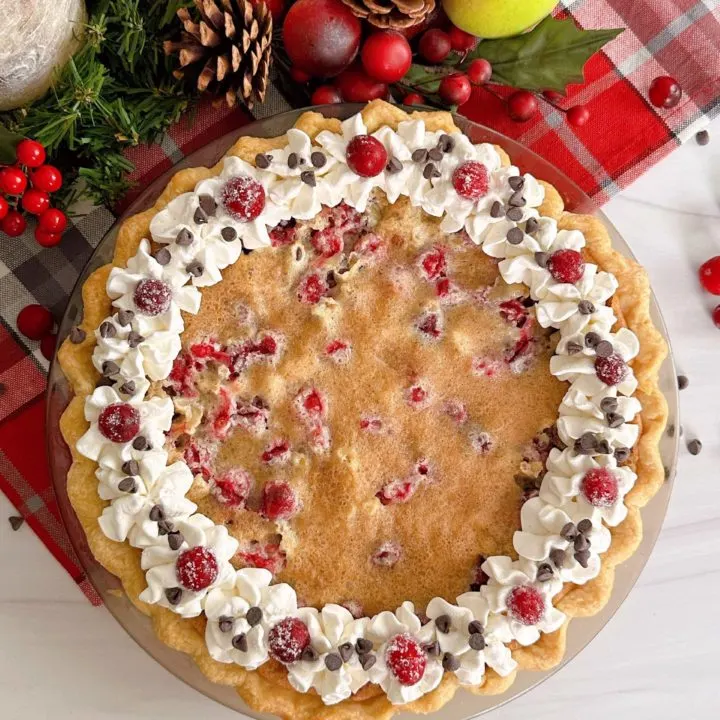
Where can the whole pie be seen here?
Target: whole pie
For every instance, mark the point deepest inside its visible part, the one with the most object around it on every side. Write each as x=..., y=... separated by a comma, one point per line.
x=362, y=415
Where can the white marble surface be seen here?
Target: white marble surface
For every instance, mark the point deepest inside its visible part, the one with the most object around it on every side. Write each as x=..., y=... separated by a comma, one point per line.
x=656, y=660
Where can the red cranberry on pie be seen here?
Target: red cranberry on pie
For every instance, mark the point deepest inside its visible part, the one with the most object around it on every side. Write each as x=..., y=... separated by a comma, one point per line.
x=566, y=266
x=288, y=639
x=456, y=411
x=430, y=325
x=279, y=501
x=196, y=568
x=339, y=351
x=600, y=487
x=417, y=396
x=470, y=180
x=371, y=424
x=406, y=659
x=482, y=442
x=283, y=233
x=277, y=453
x=525, y=604
x=398, y=491
x=119, y=422
x=387, y=555
x=232, y=488
x=486, y=366
x=366, y=156
x=243, y=198
x=327, y=242
x=312, y=288
x=267, y=556
x=433, y=264
x=152, y=297
x=198, y=458
x=311, y=404
x=514, y=312
x=611, y=370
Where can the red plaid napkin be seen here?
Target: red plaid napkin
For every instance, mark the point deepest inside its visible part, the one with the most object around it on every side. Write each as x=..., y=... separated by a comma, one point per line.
x=625, y=137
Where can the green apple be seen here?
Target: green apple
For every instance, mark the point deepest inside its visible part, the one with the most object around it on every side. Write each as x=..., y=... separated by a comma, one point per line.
x=497, y=18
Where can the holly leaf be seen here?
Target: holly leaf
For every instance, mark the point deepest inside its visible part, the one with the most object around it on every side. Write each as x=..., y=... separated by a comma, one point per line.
x=425, y=79
x=549, y=57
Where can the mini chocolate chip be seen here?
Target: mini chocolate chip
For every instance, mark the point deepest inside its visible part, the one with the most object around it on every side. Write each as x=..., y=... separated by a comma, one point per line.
x=194, y=268
x=544, y=572
x=614, y=420
x=430, y=171
x=110, y=368
x=475, y=627
x=367, y=661
x=225, y=623
x=77, y=335
x=585, y=307
x=16, y=522
x=476, y=641
x=262, y=161
x=515, y=236
x=587, y=441
x=682, y=381
x=702, y=138
x=432, y=648
x=127, y=388
x=246, y=250
x=165, y=527
x=609, y=404
x=604, y=349
x=583, y=557
x=420, y=155
x=125, y=317
x=333, y=662
x=175, y=540
x=308, y=177
x=107, y=330
x=573, y=348
x=330, y=279
x=515, y=214
x=309, y=654
x=200, y=218
x=450, y=662
x=603, y=447
x=516, y=182
x=318, y=159
x=298, y=253
x=184, y=238
x=157, y=513
x=131, y=467
x=531, y=225
x=363, y=646
x=163, y=256
x=134, y=339
x=568, y=531
x=622, y=454
x=542, y=258
x=239, y=642
x=394, y=166
x=254, y=616
x=557, y=557
x=293, y=160
x=496, y=210
x=581, y=543
x=443, y=623
x=140, y=443
x=694, y=447
x=517, y=199
x=104, y=382
x=346, y=651
x=208, y=204
x=173, y=595
x=585, y=526
x=436, y=154
x=446, y=143
x=127, y=485
x=228, y=234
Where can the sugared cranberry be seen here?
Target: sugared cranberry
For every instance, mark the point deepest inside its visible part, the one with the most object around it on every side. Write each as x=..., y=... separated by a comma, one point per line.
x=665, y=92
x=709, y=275
x=152, y=297
x=433, y=264
x=279, y=501
x=566, y=266
x=119, y=422
x=611, y=370
x=387, y=555
x=277, y=453
x=251, y=417
x=406, y=659
x=284, y=232
x=232, y=488
x=600, y=487
x=430, y=325
x=354, y=608
x=312, y=289
x=525, y=604
x=327, y=242
x=288, y=639
x=243, y=198
x=366, y=156
x=196, y=568
x=470, y=180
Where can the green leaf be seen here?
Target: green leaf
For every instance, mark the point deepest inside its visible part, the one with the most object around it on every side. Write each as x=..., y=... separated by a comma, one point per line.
x=8, y=142
x=549, y=57
x=424, y=79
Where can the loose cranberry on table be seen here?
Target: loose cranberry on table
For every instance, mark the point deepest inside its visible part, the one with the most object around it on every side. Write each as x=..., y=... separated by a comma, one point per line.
x=35, y=321
x=455, y=89
x=435, y=45
x=30, y=153
x=386, y=56
x=326, y=95
x=355, y=85
x=578, y=115
x=710, y=275
x=47, y=238
x=47, y=178
x=13, y=224
x=665, y=92
x=13, y=181
x=366, y=156
x=48, y=345
x=522, y=105
x=479, y=71
x=414, y=99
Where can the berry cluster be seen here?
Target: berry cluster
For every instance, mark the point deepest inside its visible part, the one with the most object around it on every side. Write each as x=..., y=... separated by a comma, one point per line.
x=26, y=186
x=710, y=280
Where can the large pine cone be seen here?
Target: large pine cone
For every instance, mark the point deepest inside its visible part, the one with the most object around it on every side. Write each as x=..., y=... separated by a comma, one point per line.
x=228, y=43
x=391, y=13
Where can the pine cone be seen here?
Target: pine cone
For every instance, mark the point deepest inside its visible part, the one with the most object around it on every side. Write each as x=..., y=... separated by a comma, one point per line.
x=391, y=13
x=229, y=44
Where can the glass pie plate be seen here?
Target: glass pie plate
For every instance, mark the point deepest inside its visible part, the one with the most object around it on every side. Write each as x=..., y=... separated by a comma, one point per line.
x=465, y=705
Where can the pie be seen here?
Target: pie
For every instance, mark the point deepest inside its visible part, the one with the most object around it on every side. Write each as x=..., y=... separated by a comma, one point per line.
x=361, y=415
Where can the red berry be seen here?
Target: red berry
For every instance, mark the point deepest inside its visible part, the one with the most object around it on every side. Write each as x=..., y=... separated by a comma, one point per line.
x=321, y=37
x=30, y=153
x=288, y=639
x=356, y=85
x=327, y=242
x=232, y=487
x=13, y=181
x=414, y=99
x=4, y=207
x=119, y=422
x=435, y=45
x=665, y=92
x=277, y=453
x=152, y=297
x=479, y=71
x=470, y=180
x=578, y=115
x=522, y=105
x=566, y=266
x=196, y=568
x=611, y=370
x=47, y=346
x=312, y=289
x=366, y=156
x=279, y=501
x=53, y=220
x=525, y=604
x=710, y=275
x=298, y=75
x=716, y=316
x=433, y=264
x=243, y=198
x=455, y=89
x=47, y=178
x=326, y=95
x=397, y=491
x=13, y=224
x=387, y=555
x=462, y=41
x=417, y=396
x=386, y=56
x=268, y=556
x=35, y=321
x=430, y=325
x=553, y=96
x=45, y=238
x=35, y=201
x=600, y=487
x=406, y=659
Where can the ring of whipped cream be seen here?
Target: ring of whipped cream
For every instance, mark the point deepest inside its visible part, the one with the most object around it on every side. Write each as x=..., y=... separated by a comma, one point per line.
x=153, y=514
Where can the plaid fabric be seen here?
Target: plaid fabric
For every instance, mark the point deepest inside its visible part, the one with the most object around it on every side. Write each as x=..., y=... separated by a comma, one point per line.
x=675, y=37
